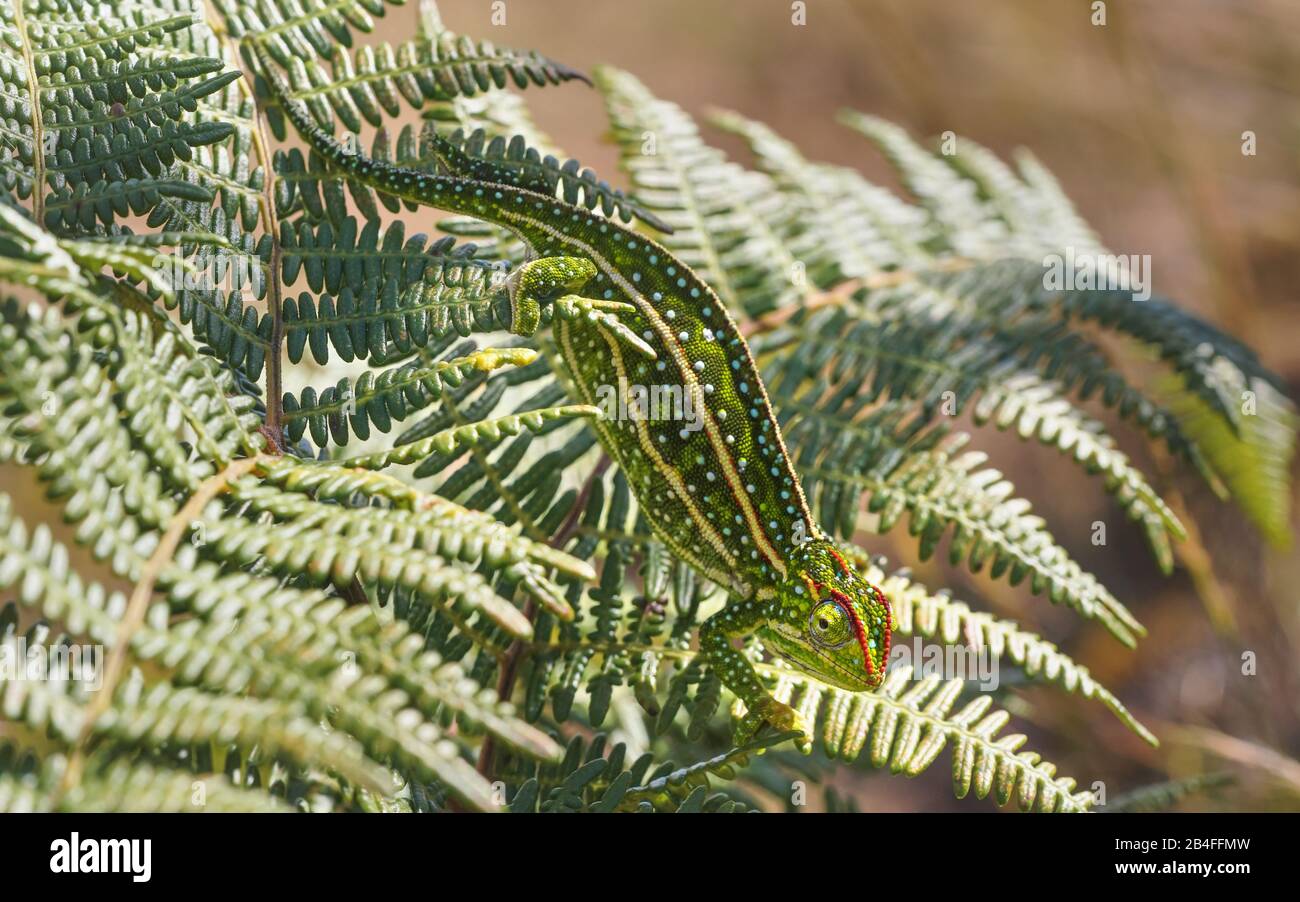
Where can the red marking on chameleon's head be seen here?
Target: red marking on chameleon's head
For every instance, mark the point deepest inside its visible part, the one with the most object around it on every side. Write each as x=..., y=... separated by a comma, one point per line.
x=843, y=601
x=840, y=560
x=858, y=628
x=889, y=625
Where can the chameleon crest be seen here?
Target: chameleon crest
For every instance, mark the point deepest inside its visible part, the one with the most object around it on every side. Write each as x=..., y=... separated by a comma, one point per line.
x=718, y=488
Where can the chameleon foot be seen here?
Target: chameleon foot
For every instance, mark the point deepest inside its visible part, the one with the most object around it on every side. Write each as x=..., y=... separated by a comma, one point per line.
x=603, y=313
x=539, y=279
x=780, y=716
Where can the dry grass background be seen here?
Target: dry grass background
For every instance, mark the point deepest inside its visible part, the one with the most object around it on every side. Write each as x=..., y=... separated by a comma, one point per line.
x=1141, y=120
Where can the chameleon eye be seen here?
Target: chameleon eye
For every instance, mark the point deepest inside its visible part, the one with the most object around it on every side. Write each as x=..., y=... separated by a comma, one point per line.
x=828, y=625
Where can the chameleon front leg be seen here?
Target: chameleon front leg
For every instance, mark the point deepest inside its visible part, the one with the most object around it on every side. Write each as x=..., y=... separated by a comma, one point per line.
x=538, y=281
x=605, y=316
x=740, y=618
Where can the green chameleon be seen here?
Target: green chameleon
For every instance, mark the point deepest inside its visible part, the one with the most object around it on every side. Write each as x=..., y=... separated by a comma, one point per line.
x=720, y=493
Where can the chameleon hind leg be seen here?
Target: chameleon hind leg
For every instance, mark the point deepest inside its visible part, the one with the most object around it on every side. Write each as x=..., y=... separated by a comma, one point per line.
x=539, y=281
x=740, y=618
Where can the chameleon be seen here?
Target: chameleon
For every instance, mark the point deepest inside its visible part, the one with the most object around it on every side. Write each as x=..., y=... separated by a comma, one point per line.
x=722, y=496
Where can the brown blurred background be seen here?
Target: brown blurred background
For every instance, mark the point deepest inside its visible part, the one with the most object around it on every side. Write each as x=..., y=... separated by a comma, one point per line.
x=1141, y=119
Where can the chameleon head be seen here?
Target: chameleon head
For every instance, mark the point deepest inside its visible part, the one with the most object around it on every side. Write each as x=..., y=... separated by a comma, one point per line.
x=829, y=621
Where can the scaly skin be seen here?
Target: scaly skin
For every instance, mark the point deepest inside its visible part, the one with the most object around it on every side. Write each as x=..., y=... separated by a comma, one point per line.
x=722, y=496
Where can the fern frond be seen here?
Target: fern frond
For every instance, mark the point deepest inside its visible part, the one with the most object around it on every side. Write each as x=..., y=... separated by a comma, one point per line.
x=1254, y=460
x=368, y=85
x=472, y=434
x=307, y=27
x=1165, y=795
x=928, y=475
x=238, y=613
x=714, y=207
x=383, y=298
x=140, y=787
x=311, y=494
x=590, y=780
x=906, y=726
x=93, y=153
x=855, y=229
x=937, y=615
x=946, y=366
x=389, y=397
x=970, y=226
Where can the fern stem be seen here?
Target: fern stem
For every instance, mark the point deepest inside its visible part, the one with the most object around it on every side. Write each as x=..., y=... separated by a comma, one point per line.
x=38, y=125
x=271, y=226
x=515, y=653
x=1217, y=599
x=138, y=605
x=274, y=380
x=505, y=688
x=570, y=525
x=527, y=523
